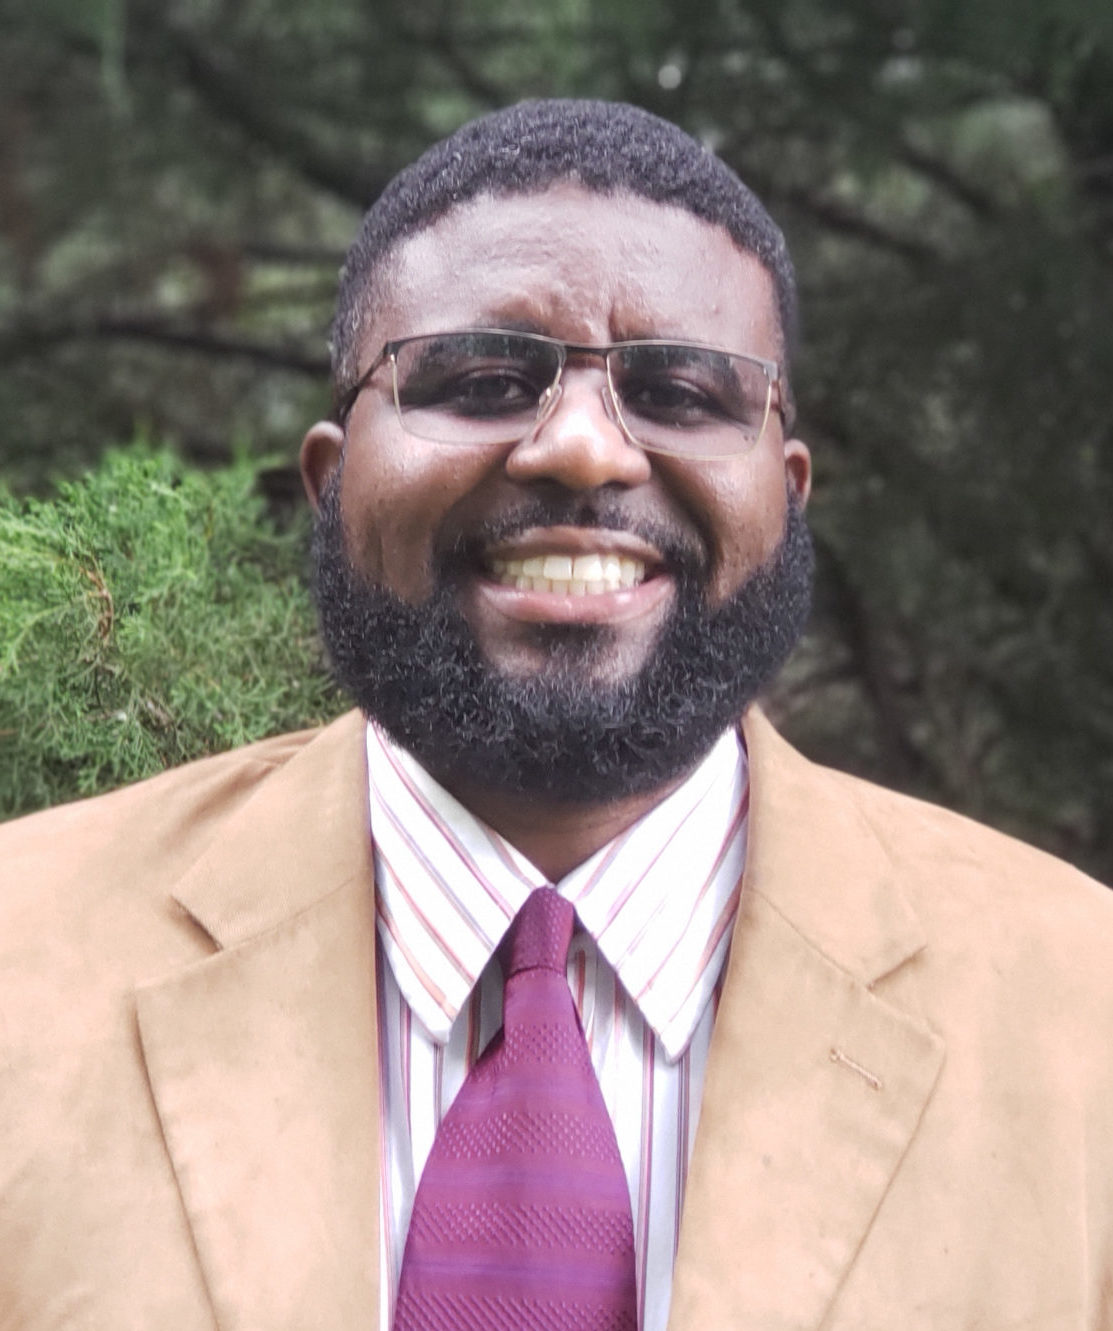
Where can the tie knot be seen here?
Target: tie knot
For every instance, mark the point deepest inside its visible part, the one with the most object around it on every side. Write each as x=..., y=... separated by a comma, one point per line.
x=541, y=933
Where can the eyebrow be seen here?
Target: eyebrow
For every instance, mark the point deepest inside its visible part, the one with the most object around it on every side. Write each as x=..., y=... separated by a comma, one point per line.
x=525, y=324
x=509, y=324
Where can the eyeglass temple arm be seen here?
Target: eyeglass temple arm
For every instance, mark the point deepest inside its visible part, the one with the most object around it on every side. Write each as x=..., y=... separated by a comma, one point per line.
x=344, y=402
x=783, y=402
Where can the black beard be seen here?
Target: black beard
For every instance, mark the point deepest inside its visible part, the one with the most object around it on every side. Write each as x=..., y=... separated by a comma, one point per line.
x=562, y=734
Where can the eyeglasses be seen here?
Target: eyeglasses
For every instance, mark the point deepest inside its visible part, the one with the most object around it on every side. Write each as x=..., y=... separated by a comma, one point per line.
x=493, y=386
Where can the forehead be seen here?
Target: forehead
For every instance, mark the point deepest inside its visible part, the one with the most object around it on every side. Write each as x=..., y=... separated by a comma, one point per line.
x=578, y=265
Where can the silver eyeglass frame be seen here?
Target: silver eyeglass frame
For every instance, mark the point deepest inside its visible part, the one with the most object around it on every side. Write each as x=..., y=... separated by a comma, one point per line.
x=772, y=370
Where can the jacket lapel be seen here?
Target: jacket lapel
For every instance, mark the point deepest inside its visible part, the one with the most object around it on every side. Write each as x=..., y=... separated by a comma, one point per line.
x=817, y=1078
x=263, y=1064
x=262, y=1057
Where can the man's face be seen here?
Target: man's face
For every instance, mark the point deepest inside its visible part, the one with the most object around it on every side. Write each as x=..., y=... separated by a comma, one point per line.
x=434, y=523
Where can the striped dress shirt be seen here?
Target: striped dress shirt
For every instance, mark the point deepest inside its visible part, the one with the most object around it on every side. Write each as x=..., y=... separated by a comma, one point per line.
x=654, y=910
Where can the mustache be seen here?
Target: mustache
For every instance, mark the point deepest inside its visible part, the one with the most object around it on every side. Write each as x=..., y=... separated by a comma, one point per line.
x=683, y=552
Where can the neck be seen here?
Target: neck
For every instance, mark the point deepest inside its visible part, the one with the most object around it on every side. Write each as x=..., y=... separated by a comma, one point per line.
x=553, y=835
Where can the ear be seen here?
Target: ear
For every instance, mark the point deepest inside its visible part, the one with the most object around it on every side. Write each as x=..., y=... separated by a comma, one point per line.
x=798, y=469
x=321, y=452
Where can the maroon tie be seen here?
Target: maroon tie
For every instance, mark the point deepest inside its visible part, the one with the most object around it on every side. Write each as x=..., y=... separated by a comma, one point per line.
x=522, y=1218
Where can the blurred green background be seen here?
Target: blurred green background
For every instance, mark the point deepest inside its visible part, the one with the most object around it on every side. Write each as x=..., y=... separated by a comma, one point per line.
x=178, y=183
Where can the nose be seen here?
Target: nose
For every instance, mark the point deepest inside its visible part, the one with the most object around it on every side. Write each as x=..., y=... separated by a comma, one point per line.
x=578, y=442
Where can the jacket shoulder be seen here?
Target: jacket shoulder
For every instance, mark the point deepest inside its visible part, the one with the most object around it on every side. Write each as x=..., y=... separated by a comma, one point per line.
x=1004, y=920
x=950, y=851
x=985, y=901
x=186, y=794
x=61, y=863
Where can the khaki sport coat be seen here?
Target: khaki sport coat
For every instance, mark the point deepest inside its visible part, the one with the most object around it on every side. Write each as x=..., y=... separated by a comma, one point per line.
x=907, y=1123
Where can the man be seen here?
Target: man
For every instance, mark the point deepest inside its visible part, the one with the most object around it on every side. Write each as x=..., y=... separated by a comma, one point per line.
x=854, y=1052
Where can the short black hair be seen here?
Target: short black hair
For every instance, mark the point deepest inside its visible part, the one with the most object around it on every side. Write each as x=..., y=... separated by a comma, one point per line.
x=603, y=146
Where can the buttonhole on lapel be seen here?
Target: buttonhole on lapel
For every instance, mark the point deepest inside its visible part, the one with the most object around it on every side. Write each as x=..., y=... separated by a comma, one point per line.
x=875, y=1083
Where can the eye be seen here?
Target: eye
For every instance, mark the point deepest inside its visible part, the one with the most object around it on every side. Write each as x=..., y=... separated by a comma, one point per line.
x=670, y=400
x=504, y=389
x=684, y=387
x=492, y=392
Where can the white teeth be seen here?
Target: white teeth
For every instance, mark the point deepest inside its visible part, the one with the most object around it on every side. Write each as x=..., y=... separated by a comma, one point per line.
x=588, y=567
x=584, y=575
x=559, y=566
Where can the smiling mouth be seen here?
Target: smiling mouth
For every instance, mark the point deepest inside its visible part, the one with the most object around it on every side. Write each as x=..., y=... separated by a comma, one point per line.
x=570, y=575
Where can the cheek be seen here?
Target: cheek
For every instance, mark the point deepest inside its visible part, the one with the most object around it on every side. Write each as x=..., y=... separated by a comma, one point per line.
x=743, y=510
x=394, y=504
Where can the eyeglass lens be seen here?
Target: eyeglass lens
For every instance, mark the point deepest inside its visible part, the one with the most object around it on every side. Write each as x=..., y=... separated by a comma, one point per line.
x=487, y=387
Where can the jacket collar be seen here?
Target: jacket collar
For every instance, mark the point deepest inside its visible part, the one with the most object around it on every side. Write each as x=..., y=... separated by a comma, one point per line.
x=262, y=1057
x=819, y=861
x=818, y=1075
x=302, y=836
x=263, y=1064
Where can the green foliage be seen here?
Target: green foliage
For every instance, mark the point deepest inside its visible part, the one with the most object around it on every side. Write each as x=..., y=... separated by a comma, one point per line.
x=178, y=184
x=149, y=614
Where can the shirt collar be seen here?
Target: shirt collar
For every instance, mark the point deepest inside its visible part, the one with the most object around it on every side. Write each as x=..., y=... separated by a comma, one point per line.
x=659, y=899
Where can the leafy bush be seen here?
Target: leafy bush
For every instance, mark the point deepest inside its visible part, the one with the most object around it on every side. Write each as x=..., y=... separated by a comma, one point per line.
x=149, y=614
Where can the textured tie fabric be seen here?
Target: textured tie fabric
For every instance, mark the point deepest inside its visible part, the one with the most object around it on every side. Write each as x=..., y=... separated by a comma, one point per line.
x=522, y=1219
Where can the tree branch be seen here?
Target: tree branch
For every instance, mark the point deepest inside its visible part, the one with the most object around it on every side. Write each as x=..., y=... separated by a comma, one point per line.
x=902, y=756
x=265, y=251
x=445, y=47
x=224, y=90
x=980, y=202
x=863, y=110
x=837, y=217
x=20, y=343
